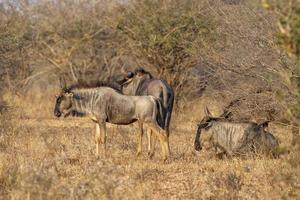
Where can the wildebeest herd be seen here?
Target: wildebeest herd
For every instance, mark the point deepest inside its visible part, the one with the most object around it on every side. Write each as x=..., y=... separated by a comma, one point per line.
x=138, y=96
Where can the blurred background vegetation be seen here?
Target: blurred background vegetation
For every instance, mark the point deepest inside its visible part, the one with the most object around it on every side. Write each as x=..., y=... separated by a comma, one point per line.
x=288, y=38
x=244, y=55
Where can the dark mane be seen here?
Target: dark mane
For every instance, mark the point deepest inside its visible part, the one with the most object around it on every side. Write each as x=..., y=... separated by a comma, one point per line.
x=93, y=84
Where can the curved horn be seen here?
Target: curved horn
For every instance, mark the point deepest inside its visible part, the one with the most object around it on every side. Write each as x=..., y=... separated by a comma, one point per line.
x=226, y=114
x=207, y=113
x=123, y=69
x=128, y=73
x=62, y=82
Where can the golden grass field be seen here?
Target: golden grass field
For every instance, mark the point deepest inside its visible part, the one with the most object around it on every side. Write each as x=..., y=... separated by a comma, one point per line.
x=51, y=158
x=236, y=55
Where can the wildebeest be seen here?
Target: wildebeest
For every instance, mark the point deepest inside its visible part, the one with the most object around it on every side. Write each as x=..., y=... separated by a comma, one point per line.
x=232, y=138
x=105, y=104
x=140, y=82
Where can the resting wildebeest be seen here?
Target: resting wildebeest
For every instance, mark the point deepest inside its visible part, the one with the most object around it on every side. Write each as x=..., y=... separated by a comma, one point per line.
x=105, y=104
x=233, y=138
x=141, y=82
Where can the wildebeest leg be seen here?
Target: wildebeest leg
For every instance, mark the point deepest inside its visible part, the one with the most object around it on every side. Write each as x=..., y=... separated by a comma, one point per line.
x=168, y=115
x=103, y=136
x=167, y=123
x=216, y=149
x=149, y=137
x=151, y=143
x=165, y=142
x=219, y=153
x=140, y=139
x=163, y=139
x=97, y=139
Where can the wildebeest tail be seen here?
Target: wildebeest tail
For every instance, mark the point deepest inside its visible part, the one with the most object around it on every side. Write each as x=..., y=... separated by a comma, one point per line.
x=197, y=144
x=159, y=114
x=168, y=100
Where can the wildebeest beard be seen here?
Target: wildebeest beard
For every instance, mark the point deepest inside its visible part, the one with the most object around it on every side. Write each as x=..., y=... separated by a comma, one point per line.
x=75, y=113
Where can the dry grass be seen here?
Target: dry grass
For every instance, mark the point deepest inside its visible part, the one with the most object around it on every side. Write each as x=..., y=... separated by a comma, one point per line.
x=46, y=158
x=54, y=159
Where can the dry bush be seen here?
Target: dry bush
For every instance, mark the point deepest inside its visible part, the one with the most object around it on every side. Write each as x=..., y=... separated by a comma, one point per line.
x=165, y=35
x=14, y=46
x=42, y=40
x=288, y=38
x=242, y=68
x=60, y=37
x=73, y=37
x=225, y=49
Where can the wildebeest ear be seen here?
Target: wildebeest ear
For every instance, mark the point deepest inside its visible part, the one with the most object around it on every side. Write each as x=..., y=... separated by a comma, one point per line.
x=226, y=114
x=206, y=112
x=62, y=82
x=65, y=90
x=139, y=71
x=209, y=124
x=123, y=70
x=263, y=124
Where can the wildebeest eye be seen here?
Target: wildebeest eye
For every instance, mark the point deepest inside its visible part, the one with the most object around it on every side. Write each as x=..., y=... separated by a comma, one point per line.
x=59, y=99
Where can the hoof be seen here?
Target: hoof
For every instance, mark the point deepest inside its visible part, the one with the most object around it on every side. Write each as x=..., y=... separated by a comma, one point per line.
x=165, y=160
x=150, y=154
x=139, y=153
x=198, y=147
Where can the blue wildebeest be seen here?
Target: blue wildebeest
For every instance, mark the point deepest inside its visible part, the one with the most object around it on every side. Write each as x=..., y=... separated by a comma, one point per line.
x=105, y=104
x=141, y=82
x=233, y=138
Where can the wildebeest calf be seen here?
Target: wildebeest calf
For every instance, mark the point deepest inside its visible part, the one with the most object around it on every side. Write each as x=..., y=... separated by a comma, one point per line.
x=232, y=138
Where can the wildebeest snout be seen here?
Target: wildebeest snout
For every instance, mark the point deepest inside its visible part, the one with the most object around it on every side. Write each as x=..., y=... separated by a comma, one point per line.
x=57, y=113
x=198, y=147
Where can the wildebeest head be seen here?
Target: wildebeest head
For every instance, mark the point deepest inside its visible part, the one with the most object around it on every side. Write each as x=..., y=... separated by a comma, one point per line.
x=206, y=123
x=63, y=103
x=132, y=80
x=125, y=77
x=63, y=100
